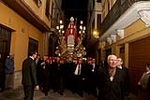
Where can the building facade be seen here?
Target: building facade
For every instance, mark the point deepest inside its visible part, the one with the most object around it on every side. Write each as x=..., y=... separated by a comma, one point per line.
x=24, y=27
x=124, y=31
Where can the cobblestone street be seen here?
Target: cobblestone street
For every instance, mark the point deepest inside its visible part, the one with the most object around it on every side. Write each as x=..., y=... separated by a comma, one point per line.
x=38, y=95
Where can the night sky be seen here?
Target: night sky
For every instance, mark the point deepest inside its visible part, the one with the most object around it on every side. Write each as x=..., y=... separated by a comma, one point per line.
x=75, y=8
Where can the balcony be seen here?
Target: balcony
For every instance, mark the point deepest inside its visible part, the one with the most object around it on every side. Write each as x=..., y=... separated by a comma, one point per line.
x=122, y=14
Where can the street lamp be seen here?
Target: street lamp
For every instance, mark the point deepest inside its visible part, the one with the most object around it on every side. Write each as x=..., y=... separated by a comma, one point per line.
x=96, y=33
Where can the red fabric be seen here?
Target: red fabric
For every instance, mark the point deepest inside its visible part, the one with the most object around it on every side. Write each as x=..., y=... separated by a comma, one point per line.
x=68, y=31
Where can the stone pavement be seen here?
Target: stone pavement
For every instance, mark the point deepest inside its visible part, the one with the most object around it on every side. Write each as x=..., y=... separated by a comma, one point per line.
x=38, y=95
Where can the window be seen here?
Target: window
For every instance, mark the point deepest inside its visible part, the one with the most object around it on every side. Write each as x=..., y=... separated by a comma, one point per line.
x=52, y=10
x=5, y=37
x=33, y=45
x=47, y=13
x=122, y=48
x=93, y=24
x=98, y=21
x=93, y=3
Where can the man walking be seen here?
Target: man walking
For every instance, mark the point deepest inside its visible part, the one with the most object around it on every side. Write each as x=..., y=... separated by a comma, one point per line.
x=29, y=77
x=126, y=78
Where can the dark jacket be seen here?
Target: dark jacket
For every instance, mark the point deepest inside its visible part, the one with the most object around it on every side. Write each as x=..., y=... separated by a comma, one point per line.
x=109, y=90
x=126, y=81
x=9, y=66
x=29, y=76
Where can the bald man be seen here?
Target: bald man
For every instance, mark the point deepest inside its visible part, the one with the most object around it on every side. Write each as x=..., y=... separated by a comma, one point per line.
x=110, y=80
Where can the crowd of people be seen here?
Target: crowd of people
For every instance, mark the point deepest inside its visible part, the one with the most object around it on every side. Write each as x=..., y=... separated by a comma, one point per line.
x=58, y=74
x=78, y=75
x=106, y=81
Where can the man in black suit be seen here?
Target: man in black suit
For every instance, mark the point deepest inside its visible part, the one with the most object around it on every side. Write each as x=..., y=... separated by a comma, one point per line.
x=29, y=77
x=79, y=77
x=93, y=68
x=126, y=78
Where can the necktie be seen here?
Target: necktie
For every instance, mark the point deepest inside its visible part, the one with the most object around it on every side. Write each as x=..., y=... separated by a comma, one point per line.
x=79, y=69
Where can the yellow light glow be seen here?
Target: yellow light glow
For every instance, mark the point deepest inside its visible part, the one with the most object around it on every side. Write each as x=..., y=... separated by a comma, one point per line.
x=96, y=34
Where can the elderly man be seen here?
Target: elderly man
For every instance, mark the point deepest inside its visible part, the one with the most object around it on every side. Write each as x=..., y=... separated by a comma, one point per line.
x=110, y=80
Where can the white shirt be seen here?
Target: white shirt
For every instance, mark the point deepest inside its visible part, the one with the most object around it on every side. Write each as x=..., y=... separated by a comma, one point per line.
x=78, y=68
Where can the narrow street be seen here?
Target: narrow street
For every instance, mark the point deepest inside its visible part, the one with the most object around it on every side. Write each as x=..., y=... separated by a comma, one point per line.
x=38, y=95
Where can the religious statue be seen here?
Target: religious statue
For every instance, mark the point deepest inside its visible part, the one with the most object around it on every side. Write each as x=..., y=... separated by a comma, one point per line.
x=71, y=35
x=70, y=44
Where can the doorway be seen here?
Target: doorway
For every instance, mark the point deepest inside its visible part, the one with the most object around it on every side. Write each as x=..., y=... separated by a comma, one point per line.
x=5, y=38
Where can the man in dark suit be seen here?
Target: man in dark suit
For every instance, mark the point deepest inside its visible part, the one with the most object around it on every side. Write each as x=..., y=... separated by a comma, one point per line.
x=93, y=68
x=79, y=77
x=109, y=80
x=126, y=78
x=29, y=77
